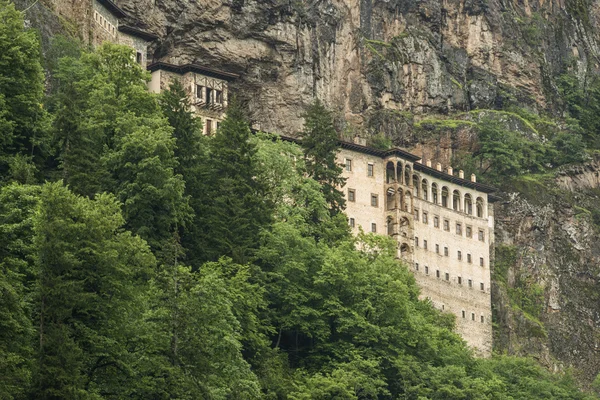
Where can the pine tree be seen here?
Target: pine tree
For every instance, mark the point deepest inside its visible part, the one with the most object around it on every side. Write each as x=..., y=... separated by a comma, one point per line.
x=320, y=144
x=234, y=209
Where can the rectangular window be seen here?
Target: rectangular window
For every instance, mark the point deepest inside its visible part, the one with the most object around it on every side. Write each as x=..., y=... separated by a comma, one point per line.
x=459, y=280
x=446, y=251
x=482, y=319
x=469, y=258
x=424, y=217
x=437, y=273
x=348, y=164
x=208, y=127
x=425, y=244
x=458, y=229
x=351, y=195
x=218, y=97
x=352, y=223
x=447, y=276
x=369, y=169
x=469, y=232
x=446, y=225
x=199, y=90
x=416, y=266
x=374, y=227
x=426, y=270
x=437, y=249
x=463, y=313
x=138, y=57
x=481, y=261
x=472, y=316
x=459, y=255
x=209, y=96
x=416, y=215
x=481, y=286
x=218, y=125
x=481, y=235
x=436, y=222
x=416, y=242
x=470, y=283
x=374, y=200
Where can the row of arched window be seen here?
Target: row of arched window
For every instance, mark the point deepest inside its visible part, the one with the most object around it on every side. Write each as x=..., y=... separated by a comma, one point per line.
x=430, y=192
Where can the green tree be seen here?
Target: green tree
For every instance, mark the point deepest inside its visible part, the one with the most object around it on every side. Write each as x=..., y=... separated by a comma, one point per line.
x=320, y=144
x=235, y=209
x=23, y=119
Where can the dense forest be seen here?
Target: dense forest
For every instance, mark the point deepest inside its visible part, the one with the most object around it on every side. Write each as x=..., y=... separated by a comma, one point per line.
x=139, y=259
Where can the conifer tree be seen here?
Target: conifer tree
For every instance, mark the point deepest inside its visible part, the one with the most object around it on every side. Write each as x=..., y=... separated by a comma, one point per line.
x=23, y=119
x=320, y=144
x=234, y=209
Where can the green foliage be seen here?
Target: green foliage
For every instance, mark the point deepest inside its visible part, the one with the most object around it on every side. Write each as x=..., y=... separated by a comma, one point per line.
x=320, y=145
x=23, y=119
x=582, y=101
x=380, y=141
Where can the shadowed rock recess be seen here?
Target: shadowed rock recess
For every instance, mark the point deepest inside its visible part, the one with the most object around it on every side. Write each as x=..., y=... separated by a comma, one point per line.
x=395, y=67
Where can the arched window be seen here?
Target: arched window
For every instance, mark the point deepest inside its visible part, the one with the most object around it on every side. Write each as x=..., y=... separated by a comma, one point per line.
x=390, y=226
x=424, y=189
x=415, y=183
x=468, y=204
x=407, y=174
x=479, y=207
x=445, y=195
x=404, y=250
x=456, y=200
x=434, y=193
x=391, y=199
x=399, y=172
x=389, y=172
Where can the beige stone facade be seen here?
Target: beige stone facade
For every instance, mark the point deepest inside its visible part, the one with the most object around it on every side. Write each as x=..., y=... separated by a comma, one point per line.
x=208, y=89
x=443, y=224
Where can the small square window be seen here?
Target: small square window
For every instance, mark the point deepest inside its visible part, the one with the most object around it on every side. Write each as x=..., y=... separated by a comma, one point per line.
x=481, y=261
x=446, y=251
x=459, y=280
x=352, y=223
x=458, y=229
x=447, y=276
x=374, y=227
x=348, y=164
x=481, y=235
x=481, y=286
x=446, y=225
x=469, y=258
x=425, y=244
x=437, y=273
x=424, y=217
x=469, y=232
x=370, y=169
x=351, y=195
x=374, y=200
x=464, y=314
x=459, y=255
x=437, y=249
x=436, y=222
x=470, y=283
x=426, y=270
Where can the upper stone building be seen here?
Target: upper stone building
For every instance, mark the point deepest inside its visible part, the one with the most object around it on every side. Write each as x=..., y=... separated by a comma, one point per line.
x=207, y=88
x=443, y=224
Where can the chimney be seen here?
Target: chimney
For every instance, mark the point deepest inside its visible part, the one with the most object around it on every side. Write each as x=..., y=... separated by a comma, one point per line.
x=473, y=178
x=449, y=170
x=428, y=163
x=461, y=174
x=438, y=166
